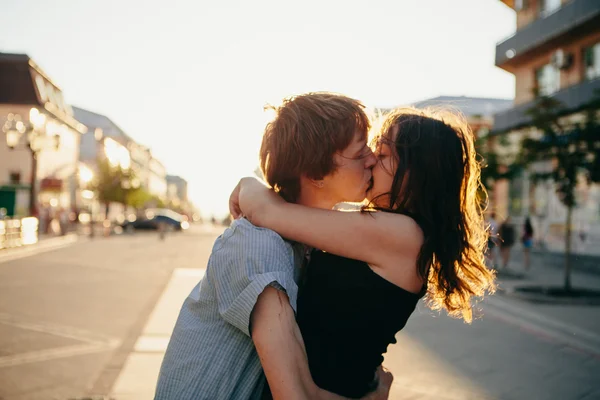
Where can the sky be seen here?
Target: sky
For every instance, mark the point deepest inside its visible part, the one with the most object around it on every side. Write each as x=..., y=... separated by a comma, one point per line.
x=190, y=79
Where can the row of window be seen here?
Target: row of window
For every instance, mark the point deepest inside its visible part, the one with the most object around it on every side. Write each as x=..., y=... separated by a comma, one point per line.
x=547, y=77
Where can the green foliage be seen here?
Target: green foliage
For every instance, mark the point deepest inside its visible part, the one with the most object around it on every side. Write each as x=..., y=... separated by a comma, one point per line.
x=138, y=197
x=115, y=184
x=572, y=147
x=492, y=168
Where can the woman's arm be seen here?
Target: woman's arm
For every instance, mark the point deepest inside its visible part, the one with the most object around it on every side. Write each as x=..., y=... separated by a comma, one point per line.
x=377, y=238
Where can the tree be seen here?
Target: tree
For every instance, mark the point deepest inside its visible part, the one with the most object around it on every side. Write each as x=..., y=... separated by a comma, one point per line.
x=494, y=166
x=114, y=184
x=571, y=145
x=138, y=198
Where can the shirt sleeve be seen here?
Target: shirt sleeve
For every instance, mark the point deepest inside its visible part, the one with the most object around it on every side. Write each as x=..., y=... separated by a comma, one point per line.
x=248, y=260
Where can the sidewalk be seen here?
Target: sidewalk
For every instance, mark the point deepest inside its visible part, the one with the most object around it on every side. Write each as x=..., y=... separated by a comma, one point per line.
x=45, y=243
x=548, y=267
x=554, y=257
x=137, y=380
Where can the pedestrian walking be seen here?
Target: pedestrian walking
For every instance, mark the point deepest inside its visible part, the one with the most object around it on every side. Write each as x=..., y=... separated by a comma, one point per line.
x=507, y=240
x=162, y=230
x=492, y=240
x=527, y=240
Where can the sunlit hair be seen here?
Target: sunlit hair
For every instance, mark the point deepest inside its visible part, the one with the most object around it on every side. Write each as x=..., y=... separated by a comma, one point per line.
x=436, y=179
x=304, y=136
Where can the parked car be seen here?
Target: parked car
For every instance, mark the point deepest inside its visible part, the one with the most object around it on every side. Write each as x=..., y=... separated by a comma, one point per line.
x=153, y=218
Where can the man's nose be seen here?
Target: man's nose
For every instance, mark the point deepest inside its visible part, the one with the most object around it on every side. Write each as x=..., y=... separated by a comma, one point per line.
x=370, y=160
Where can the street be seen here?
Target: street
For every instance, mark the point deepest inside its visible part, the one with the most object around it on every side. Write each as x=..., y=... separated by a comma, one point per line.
x=69, y=317
x=70, y=320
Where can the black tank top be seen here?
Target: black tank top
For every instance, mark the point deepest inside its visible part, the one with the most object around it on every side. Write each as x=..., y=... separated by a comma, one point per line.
x=348, y=315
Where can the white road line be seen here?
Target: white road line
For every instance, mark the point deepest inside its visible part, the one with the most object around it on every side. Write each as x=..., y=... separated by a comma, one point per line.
x=92, y=342
x=52, y=354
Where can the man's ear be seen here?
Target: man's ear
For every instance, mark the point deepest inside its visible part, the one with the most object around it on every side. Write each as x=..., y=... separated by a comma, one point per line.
x=317, y=182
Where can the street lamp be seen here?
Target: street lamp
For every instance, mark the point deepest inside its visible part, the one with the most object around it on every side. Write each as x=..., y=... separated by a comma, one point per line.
x=34, y=130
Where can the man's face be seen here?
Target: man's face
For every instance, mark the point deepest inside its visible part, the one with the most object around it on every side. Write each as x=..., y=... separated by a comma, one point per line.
x=352, y=178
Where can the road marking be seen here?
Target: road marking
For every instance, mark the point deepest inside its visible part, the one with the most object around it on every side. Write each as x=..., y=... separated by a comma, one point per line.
x=151, y=344
x=38, y=248
x=52, y=354
x=92, y=342
x=137, y=379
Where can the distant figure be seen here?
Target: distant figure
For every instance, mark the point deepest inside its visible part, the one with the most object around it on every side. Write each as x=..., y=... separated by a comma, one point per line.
x=493, y=230
x=507, y=237
x=162, y=230
x=527, y=240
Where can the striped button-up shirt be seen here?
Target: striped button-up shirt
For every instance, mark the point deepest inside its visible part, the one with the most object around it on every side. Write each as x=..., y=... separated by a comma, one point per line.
x=211, y=354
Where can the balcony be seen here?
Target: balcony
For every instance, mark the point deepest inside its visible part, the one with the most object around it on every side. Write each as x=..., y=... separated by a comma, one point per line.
x=576, y=15
x=573, y=98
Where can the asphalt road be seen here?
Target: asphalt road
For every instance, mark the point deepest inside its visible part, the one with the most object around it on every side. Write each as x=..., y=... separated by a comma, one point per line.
x=69, y=317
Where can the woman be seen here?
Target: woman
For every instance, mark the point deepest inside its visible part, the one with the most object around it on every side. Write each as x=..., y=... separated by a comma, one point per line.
x=423, y=232
x=527, y=240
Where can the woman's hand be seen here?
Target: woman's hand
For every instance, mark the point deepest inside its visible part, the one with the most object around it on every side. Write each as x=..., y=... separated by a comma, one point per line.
x=251, y=198
x=385, y=378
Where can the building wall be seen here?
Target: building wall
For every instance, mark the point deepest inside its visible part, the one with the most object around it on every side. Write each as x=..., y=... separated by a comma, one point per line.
x=529, y=14
x=59, y=163
x=525, y=74
x=157, y=181
x=19, y=159
x=140, y=163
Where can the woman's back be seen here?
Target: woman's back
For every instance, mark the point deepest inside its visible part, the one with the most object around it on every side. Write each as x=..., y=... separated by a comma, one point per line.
x=348, y=315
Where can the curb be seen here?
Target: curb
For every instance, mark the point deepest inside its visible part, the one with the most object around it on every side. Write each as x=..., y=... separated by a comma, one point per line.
x=546, y=299
x=139, y=374
x=39, y=247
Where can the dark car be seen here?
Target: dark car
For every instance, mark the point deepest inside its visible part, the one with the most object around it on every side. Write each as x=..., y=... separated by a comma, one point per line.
x=153, y=219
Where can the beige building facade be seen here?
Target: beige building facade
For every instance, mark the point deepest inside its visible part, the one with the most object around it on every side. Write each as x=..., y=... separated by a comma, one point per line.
x=36, y=120
x=555, y=51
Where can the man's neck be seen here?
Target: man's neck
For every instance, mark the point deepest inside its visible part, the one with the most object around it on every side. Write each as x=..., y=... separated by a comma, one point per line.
x=315, y=200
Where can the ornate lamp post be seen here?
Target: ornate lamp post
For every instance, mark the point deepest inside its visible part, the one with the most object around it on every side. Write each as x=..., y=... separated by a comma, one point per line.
x=34, y=131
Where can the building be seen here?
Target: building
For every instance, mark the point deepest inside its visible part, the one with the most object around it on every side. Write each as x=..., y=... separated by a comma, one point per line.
x=479, y=111
x=157, y=179
x=177, y=188
x=104, y=140
x=39, y=149
x=555, y=51
x=177, y=194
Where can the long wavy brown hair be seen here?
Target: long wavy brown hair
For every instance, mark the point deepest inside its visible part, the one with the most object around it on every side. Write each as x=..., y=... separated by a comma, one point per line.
x=436, y=179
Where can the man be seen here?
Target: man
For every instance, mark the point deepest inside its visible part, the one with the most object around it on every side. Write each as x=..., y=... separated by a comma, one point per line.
x=239, y=320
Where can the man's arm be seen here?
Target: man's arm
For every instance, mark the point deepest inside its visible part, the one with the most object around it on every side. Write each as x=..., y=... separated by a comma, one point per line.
x=282, y=354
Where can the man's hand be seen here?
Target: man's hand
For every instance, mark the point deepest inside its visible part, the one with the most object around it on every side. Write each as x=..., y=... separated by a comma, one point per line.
x=385, y=378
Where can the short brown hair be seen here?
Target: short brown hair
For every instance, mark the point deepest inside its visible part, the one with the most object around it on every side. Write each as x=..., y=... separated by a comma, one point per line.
x=307, y=131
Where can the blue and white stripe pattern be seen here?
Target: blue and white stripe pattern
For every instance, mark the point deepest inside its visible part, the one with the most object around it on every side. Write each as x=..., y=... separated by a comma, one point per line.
x=210, y=354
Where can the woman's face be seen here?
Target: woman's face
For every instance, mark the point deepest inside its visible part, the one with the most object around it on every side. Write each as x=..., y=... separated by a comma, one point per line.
x=384, y=170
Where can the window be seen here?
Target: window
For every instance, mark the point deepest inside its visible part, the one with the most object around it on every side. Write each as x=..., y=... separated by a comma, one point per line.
x=549, y=6
x=520, y=5
x=14, y=177
x=547, y=79
x=591, y=61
